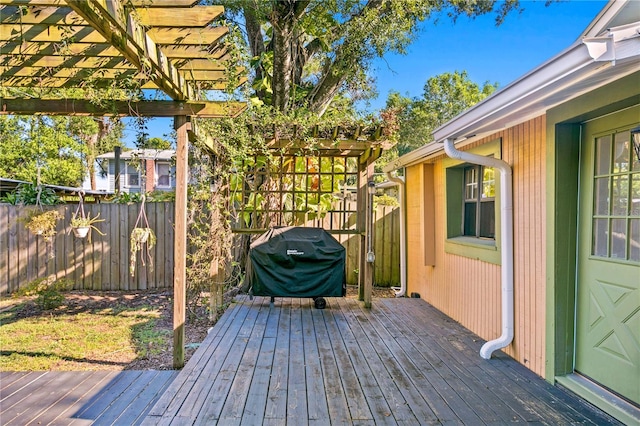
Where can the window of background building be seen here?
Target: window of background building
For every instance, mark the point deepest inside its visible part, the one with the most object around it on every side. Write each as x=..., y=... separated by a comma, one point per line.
x=163, y=172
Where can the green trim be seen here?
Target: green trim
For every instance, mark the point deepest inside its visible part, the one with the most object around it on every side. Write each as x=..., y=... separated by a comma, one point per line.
x=474, y=248
x=562, y=208
x=562, y=152
x=601, y=398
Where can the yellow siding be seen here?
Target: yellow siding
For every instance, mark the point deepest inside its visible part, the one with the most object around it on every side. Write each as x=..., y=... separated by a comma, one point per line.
x=468, y=290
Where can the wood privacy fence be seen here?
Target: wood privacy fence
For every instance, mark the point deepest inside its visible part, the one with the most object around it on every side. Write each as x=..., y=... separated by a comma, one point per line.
x=386, y=247
x=103, y=263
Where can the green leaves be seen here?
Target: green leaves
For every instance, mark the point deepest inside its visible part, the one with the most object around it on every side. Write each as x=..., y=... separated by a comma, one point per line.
x=445, y=96
x=312, y=53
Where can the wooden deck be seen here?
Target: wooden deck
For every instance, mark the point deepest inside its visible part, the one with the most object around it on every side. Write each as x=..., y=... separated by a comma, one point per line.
x=80, y=398
x=400, y=363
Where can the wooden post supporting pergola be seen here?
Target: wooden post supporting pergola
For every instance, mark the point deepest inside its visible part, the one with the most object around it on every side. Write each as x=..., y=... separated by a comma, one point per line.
x=180, y=243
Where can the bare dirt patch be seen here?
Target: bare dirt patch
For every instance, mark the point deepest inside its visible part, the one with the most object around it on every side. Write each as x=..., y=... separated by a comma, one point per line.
x=157, y=354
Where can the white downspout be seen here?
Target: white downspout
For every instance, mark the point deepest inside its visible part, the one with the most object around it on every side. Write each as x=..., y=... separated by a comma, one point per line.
x=506, y=236
x=403, y=236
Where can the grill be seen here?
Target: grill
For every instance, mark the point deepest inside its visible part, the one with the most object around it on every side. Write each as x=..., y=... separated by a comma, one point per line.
x=297, y=262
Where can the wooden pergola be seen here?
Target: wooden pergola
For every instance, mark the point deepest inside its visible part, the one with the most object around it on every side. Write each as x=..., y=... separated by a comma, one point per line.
x=173, y=46
x=339, y=161
x=168, y=45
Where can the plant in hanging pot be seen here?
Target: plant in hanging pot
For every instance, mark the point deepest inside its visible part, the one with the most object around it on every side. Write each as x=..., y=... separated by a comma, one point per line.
x=141, y=239
x=82, y=225
x=42, y=223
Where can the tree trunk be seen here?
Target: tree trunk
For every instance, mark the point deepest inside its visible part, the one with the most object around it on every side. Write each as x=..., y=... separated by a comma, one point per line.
x=332, y=78
x=256, y=42
x=283, y=24
x=92, y=144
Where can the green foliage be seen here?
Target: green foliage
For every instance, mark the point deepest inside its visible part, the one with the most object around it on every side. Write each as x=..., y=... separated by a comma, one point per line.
x=29, y=194
x=48, y=292
x=386, y=200
x=141, y=239
x=160, y=196
x=39, y=285
x=49, y=299
x=42, y=223
x=127, y=197
x=153, y=143
x=150, y=197
x=309, y=53
x=38, y=148
x=445, y=96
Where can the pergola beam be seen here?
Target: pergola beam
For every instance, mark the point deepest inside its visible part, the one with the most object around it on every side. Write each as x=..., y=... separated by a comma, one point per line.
x=177, y=53
x=134, y=46
x=135, y=3
x=185, y=36
x=197, y=16
x=106, y=68
x=204, y=109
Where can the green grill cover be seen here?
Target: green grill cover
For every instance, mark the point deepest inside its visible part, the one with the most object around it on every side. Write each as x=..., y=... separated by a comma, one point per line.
x=297, y=262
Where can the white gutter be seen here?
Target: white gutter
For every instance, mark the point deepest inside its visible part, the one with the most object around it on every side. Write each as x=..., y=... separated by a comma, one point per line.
x=505, y=196
x=403, y=235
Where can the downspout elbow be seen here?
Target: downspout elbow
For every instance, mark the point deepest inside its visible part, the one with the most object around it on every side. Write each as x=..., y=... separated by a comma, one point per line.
x=403, y=235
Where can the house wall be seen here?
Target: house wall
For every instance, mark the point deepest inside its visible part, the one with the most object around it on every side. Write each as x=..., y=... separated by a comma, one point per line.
x=467, y=289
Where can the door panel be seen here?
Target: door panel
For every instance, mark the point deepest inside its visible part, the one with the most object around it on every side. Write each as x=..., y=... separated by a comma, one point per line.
x=608, y=287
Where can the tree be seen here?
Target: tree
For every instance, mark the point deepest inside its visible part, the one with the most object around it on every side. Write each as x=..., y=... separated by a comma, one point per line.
x=306, y=52
x=99, y=135
x=39, y=148
x=444, y=96
x=155, y=143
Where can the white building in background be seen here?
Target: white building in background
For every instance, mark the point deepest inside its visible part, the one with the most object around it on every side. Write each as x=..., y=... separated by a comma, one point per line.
x=142, y=170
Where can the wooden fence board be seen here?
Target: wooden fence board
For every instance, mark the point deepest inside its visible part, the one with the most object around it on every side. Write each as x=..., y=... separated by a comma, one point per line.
x=4, y=244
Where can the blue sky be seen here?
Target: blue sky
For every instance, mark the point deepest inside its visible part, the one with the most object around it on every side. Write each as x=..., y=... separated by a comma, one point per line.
x=488, y=53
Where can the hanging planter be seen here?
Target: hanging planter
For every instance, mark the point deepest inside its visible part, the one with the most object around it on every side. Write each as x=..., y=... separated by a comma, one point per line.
x=141, y=235
x=42, y=223
x=142, y=240
x=82, y=224
x=81, y=231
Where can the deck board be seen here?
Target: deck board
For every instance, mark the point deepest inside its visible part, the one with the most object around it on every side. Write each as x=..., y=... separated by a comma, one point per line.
x=398, y=408
x=400, y=363
x=518, y=389
x=80, y=397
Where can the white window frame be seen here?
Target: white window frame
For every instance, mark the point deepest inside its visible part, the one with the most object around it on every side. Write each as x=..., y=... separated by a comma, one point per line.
x=169, y=174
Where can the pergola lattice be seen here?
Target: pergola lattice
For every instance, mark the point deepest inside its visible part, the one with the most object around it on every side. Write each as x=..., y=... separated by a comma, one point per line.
x=173, y=46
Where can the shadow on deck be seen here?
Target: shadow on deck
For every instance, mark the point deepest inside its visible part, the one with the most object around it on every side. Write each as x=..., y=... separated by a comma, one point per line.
x=402, y=362
x=80, y=397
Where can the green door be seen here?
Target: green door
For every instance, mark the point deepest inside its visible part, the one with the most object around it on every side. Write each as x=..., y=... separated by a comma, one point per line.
x=608, y=295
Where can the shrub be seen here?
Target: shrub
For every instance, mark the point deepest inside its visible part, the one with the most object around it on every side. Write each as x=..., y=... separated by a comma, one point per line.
x=48, y=291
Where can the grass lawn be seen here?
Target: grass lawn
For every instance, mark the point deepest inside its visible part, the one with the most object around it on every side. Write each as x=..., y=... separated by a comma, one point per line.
x=83, y=334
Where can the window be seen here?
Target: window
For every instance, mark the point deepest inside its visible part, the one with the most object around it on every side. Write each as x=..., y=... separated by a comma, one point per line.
x=616, y=207
x=472, y=208
x=132, y=175
x=163, y=172
x=479, y=202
